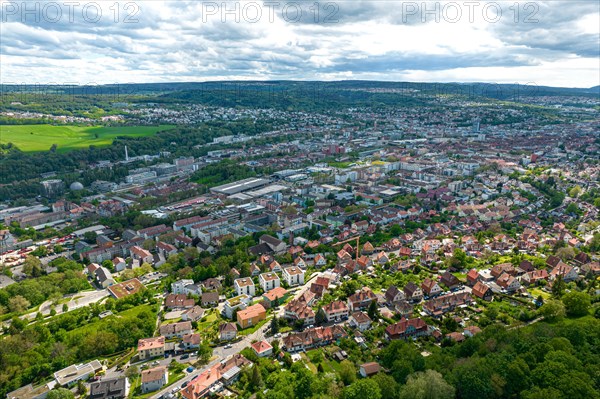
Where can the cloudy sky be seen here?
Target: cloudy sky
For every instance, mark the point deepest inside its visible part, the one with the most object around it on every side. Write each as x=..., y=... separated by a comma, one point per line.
x=554, y=43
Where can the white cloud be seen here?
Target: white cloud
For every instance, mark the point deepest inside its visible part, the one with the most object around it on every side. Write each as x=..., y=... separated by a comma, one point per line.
x=178, y=41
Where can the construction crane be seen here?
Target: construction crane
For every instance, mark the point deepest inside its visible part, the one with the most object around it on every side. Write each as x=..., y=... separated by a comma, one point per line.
x=357, y=239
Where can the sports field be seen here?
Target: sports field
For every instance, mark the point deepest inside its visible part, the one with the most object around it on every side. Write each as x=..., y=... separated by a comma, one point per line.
x=31, y=138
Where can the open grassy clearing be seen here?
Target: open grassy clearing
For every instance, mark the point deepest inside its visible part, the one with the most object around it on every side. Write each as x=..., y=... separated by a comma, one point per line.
x=32, y=138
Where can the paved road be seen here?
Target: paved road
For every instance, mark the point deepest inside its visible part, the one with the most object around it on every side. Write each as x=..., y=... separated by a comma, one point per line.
x=221, y=353
x=77, y=301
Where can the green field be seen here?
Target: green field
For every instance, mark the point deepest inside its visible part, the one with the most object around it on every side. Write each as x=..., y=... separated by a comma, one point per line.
x=41, y=137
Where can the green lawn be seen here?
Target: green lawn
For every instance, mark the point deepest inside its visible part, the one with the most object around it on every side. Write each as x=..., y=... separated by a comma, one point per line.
x=131, y=313
x=31, y=138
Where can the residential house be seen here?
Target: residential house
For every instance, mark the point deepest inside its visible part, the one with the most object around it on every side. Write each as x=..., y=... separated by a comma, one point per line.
x=320, y=286
x=553, y=261
x=343, y=256
x=299, y=262
x=191, y=341
x=76, y=372
x=166, y=249
x=430, y=287
x=185, y=286
x=215, y=378
x=274, y=297
x=119, y=264
x=471, y=331
x=267, y=245
x=456, y=337
x=394, y=295
x=336, y=311
x=293, y=276
x=176, y=329
x=567, y=272
x=251, y=316
x=369, y=369
x=319, y=260
x=472, y=277
x=534, y=277
x=153, y=232
x=502, y=268
x=482, y=291
x=361, y=299
x=211, y=284
x=141, y=254
x=244, y=286
x=151, y=347
x=114, y=388
x=179, y=301
x=363, y=262
x=104, y=277
x=508, y=283
x=227, y=331
x=262, y=348
x=592, y=267
x=268, y=281
x=368, y=248
x=412, y=292
x=360, y=320
x=300, y=308
x=275, y=267
x=382, y=258
x=209, y=299
x=193, y=314
x=582, y=258
x=403, y=308
x=450, y=280
x=30, y=392
x=154, y=379
x=407, y=328
x=232, y=305
x=436, y=307
x=313, y=338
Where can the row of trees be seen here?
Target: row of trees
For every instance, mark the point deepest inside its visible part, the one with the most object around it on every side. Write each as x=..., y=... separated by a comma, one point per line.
x=68, y=279
x=33, y=352
x=540, y=361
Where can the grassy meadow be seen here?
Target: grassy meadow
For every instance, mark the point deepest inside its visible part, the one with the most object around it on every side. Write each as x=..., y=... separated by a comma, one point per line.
x=32, y=138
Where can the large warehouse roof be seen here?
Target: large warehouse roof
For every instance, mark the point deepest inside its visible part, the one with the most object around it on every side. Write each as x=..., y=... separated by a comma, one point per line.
x=240, y=186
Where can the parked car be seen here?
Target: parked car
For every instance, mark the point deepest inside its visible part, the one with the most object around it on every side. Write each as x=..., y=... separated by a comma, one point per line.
x=186, y=356
x=189, y=369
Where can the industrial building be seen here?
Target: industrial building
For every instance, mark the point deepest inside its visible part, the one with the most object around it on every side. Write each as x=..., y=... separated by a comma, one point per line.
x=252, y=183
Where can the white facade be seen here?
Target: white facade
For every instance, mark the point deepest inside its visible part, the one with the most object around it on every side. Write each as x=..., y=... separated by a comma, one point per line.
x=268, y=281
x=244, y=286
x=178, y=287
x=293, y=276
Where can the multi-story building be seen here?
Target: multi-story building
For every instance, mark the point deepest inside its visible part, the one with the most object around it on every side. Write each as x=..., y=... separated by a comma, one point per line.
x=251, y=316
x=268, y=281
x=176, y=329
x=336, y=311
x=154, y=379
x=151, y=347
x=244, y=286
x=293, y=276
